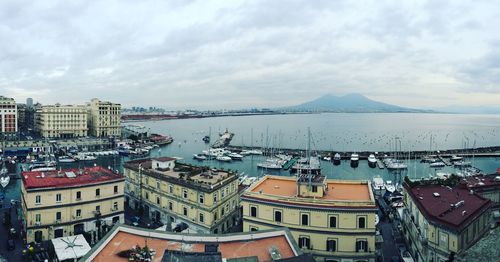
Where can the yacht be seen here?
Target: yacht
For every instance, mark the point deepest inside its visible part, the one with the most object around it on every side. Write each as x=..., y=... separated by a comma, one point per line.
x=223, y=158
x=378, y=183
x=437, y=164
x=372, y=161
x=309, y=165
x=336, y=159
x=235, y=156
x=4, y=177
x=354, y=160
x=254, y=152
x=199, y=157
x=394, y=164
x=271, y=163
x=65, y=159
x=461, y=163
x=456, y=158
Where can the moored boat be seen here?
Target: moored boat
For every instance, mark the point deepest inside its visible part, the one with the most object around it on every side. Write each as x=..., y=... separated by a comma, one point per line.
x=372, y=161
x=354, y=160
x=199, y=157
x=336, y=159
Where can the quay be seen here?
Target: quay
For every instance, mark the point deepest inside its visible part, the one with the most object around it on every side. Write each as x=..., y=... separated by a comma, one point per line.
x=493, y=151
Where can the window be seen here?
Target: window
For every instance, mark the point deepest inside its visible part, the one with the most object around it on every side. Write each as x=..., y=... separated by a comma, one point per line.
x=215, y=198
x=202, y=218
x=97, y=208
x=331, y=245
x=157, y=184
x=254, y=229
x=38, y=199
x=185, y=193
x=158, y=200
x=115, y=189
x=58, y=215
x=361, y=222
x=304, y=219
x=58, y=197
x=147, y=195
x=333, y=221
x=98, y=192
x=443, y=240
x=277, y=216
x=201, y=198
x=304, y=242
x=222, y=193
x=253, y=211
x=315, y=189
x=115, y=206
x=185, y=211
x=170, y=189
x=170, y=205
x=78, y=195
x=215, y=215
x=361, y=246
x=78, y=213
x=38, y=218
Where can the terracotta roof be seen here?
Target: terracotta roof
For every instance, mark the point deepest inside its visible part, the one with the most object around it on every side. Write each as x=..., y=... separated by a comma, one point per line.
x=229, y=245
x=68, y=177
x=450, y=207
x=337, y=190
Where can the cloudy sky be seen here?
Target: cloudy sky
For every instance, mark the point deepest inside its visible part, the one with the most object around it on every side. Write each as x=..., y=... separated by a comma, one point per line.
x=233, y=54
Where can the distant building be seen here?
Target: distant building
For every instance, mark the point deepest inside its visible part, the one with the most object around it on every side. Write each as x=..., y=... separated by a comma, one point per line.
x=270, y=245
x=440, y=222
x=331, y=219
x=104, y=118
x=61, y=121
x=487, y=186
x=205, y=199
x=29, y=102
x=8, y=117
x=70, y=202
x=21, y=117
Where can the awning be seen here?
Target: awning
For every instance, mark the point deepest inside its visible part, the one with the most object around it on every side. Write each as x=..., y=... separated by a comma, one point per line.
x=71, y=247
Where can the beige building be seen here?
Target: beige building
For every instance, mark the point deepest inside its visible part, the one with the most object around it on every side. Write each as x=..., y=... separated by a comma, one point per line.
x=71, y=202
x=331, y=219
x=8, y=116
x=441, y=222
x=104, y=118
x=205, y=199
x=62, y=121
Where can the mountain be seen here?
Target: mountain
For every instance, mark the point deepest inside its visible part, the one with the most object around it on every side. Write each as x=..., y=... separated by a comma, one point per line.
x=355, y=103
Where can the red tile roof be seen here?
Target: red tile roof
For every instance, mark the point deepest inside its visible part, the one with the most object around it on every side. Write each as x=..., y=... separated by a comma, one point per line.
x=58, y=178
x=453, y=208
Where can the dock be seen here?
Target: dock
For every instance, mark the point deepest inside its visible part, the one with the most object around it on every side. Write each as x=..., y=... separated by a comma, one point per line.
x=444, y=160
x=380, y=164
x=290, y=163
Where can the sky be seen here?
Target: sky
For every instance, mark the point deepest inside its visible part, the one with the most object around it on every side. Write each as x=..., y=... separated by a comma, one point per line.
x=240, y=54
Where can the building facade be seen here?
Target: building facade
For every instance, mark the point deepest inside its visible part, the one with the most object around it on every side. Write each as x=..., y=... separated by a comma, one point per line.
x=205, y=199
x=440, y=222
x=8, y=117
x=62, y=121
x=71, y=202
x=333, y=220
x=104, y=118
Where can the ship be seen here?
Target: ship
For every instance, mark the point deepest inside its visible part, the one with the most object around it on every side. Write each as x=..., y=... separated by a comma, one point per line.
x=224, y=140
x=354, y=160
x=372, y=161
x=336, y=159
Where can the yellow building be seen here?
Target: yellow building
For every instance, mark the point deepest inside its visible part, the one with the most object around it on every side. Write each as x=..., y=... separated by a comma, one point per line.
x=440, y=222
x=70, y=202
x=205, y=199
x=333, y=220
x=104, y=118
x=64, y=121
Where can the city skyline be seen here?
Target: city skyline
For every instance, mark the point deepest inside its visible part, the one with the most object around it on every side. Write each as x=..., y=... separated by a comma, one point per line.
x=207, y=54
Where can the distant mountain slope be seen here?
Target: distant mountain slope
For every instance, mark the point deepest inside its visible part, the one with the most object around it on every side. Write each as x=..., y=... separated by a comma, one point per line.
x=349, y=103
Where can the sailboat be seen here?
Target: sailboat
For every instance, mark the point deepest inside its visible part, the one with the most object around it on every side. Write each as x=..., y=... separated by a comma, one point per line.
x=309, y=164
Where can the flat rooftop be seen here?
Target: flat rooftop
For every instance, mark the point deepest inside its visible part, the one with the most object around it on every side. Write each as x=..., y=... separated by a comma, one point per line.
x=72, y=177
x=451, y=207
x=238, y=245
x=337, y=190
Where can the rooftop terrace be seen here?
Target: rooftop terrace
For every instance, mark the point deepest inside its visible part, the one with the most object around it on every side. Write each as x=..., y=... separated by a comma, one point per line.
x=238, y=245
x=72, y=177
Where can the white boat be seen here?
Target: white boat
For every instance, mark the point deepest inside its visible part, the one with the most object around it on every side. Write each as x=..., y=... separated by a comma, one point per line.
x=223, y=158
x=199, y=157
x=327, y=158
x=254, y=152
x=4, y=181
x=389, y=186
x=378, y=183
x=437, y=164
x=336, y=159
x=66, y=159
x=394, y=164
x=248, y=181
x=462, y=163
x=271, y=163
x=40, y=169
x=354, y=160
x=86, y=157
x=372, y=160
x=456, y=158
x=235, y=156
